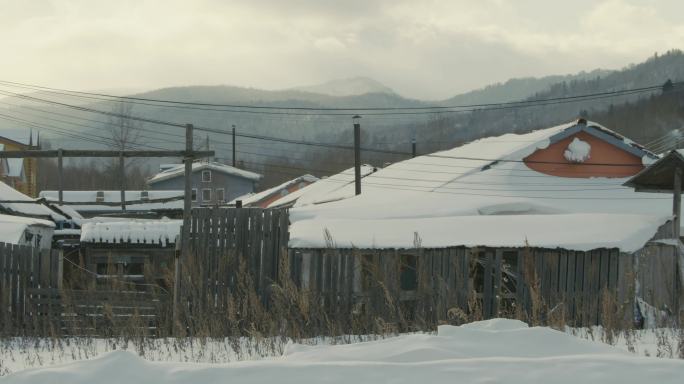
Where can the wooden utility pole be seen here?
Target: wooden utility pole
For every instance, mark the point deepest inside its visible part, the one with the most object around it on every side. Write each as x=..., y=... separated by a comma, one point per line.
x=122, y=175
x=357, y=154
x=677, y=203
x=185, y=235
x=60, y=171
x=234, y=162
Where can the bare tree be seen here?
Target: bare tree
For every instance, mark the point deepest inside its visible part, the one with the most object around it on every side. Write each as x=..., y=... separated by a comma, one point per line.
x=125, y=134
x=124, y=131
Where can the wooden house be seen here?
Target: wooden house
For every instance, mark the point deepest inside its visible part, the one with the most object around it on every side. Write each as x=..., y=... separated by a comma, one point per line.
x=26, y=231
x=212, y=183
x=495, y=220
x=136, y=251
x=20, y=174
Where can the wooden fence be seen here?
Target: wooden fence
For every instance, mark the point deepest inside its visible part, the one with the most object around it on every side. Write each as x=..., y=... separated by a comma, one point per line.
x=225, y=244
x=33, y=301
x=437, y=284
x=23, y=269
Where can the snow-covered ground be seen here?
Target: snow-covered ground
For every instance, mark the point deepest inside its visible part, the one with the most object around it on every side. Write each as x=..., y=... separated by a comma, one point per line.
x=483, y=352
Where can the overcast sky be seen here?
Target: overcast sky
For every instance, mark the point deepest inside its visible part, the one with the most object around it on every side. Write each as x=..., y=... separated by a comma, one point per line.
x=422, y=49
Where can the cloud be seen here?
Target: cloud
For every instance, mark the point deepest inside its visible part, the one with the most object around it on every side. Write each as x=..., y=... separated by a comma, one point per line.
x=426, y=49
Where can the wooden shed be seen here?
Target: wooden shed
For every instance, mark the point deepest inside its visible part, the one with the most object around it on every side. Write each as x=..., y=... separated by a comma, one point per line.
x=135, y=251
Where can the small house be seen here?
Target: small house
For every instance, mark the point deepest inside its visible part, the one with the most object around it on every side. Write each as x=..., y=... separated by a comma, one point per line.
x=26, y=231
x=135, y=251
x=212, y=183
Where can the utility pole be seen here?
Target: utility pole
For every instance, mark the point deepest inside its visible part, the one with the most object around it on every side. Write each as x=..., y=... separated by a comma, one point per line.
x=122, y=175
x=234, y=162
x=60, y=171
x=413, y=147
x=677, y=203
x=185, y=235
x=357, y=154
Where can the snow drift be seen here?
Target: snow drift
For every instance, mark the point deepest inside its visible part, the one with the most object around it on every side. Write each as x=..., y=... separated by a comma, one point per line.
x=491, y=351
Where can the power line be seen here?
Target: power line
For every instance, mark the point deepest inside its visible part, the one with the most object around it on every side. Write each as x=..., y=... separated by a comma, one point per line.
x=301, y=142
x=433, y=107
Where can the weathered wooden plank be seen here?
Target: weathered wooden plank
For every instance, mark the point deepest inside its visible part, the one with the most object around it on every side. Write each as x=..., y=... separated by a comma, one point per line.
x=487, y=289
x=613, y=269
x=570, y=285
x=604, y=273
x=496, y=288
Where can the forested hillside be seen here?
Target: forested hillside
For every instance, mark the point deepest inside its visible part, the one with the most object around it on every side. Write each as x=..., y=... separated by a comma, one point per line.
x=644, y=116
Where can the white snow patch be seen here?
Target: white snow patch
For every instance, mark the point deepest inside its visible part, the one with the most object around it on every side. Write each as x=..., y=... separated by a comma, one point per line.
x=577, y=151
x=488, y=352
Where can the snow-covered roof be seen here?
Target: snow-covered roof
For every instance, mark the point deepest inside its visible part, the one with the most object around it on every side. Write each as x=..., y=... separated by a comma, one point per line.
x=252, y=198
x=163, y=232
x=115, y=197
x=487, y=177
x=31, y=208
x=325, y=190
x=198, y=166
x=579, y=231
x=12, y=228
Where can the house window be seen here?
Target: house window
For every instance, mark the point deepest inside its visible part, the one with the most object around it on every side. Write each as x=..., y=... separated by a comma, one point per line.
x=206, y=194
x=144, y=196
x=220, y=195
x=407, y=273
x=206, y=176
x=99, y=196
x=193, y=197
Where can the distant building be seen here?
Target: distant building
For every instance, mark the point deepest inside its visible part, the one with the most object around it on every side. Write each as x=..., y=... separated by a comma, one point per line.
x=269, y=196
x=20, y=174
x=212, y=182
x=139, y=204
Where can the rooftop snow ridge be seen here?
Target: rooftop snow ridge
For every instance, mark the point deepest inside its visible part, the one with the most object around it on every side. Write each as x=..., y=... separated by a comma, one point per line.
x=196, y=166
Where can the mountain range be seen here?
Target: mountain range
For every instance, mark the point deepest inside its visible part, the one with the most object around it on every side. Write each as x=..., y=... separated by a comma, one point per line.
x=433, y=131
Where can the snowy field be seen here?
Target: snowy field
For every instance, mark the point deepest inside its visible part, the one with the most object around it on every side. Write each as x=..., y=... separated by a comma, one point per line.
x=484, y=352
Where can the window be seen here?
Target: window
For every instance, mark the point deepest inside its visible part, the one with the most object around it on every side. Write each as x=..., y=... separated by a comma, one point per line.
x=99, y=196
x=193, y=197
x=206, y=176
x=206, y=194
x=144, y=196
x=220, y=195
